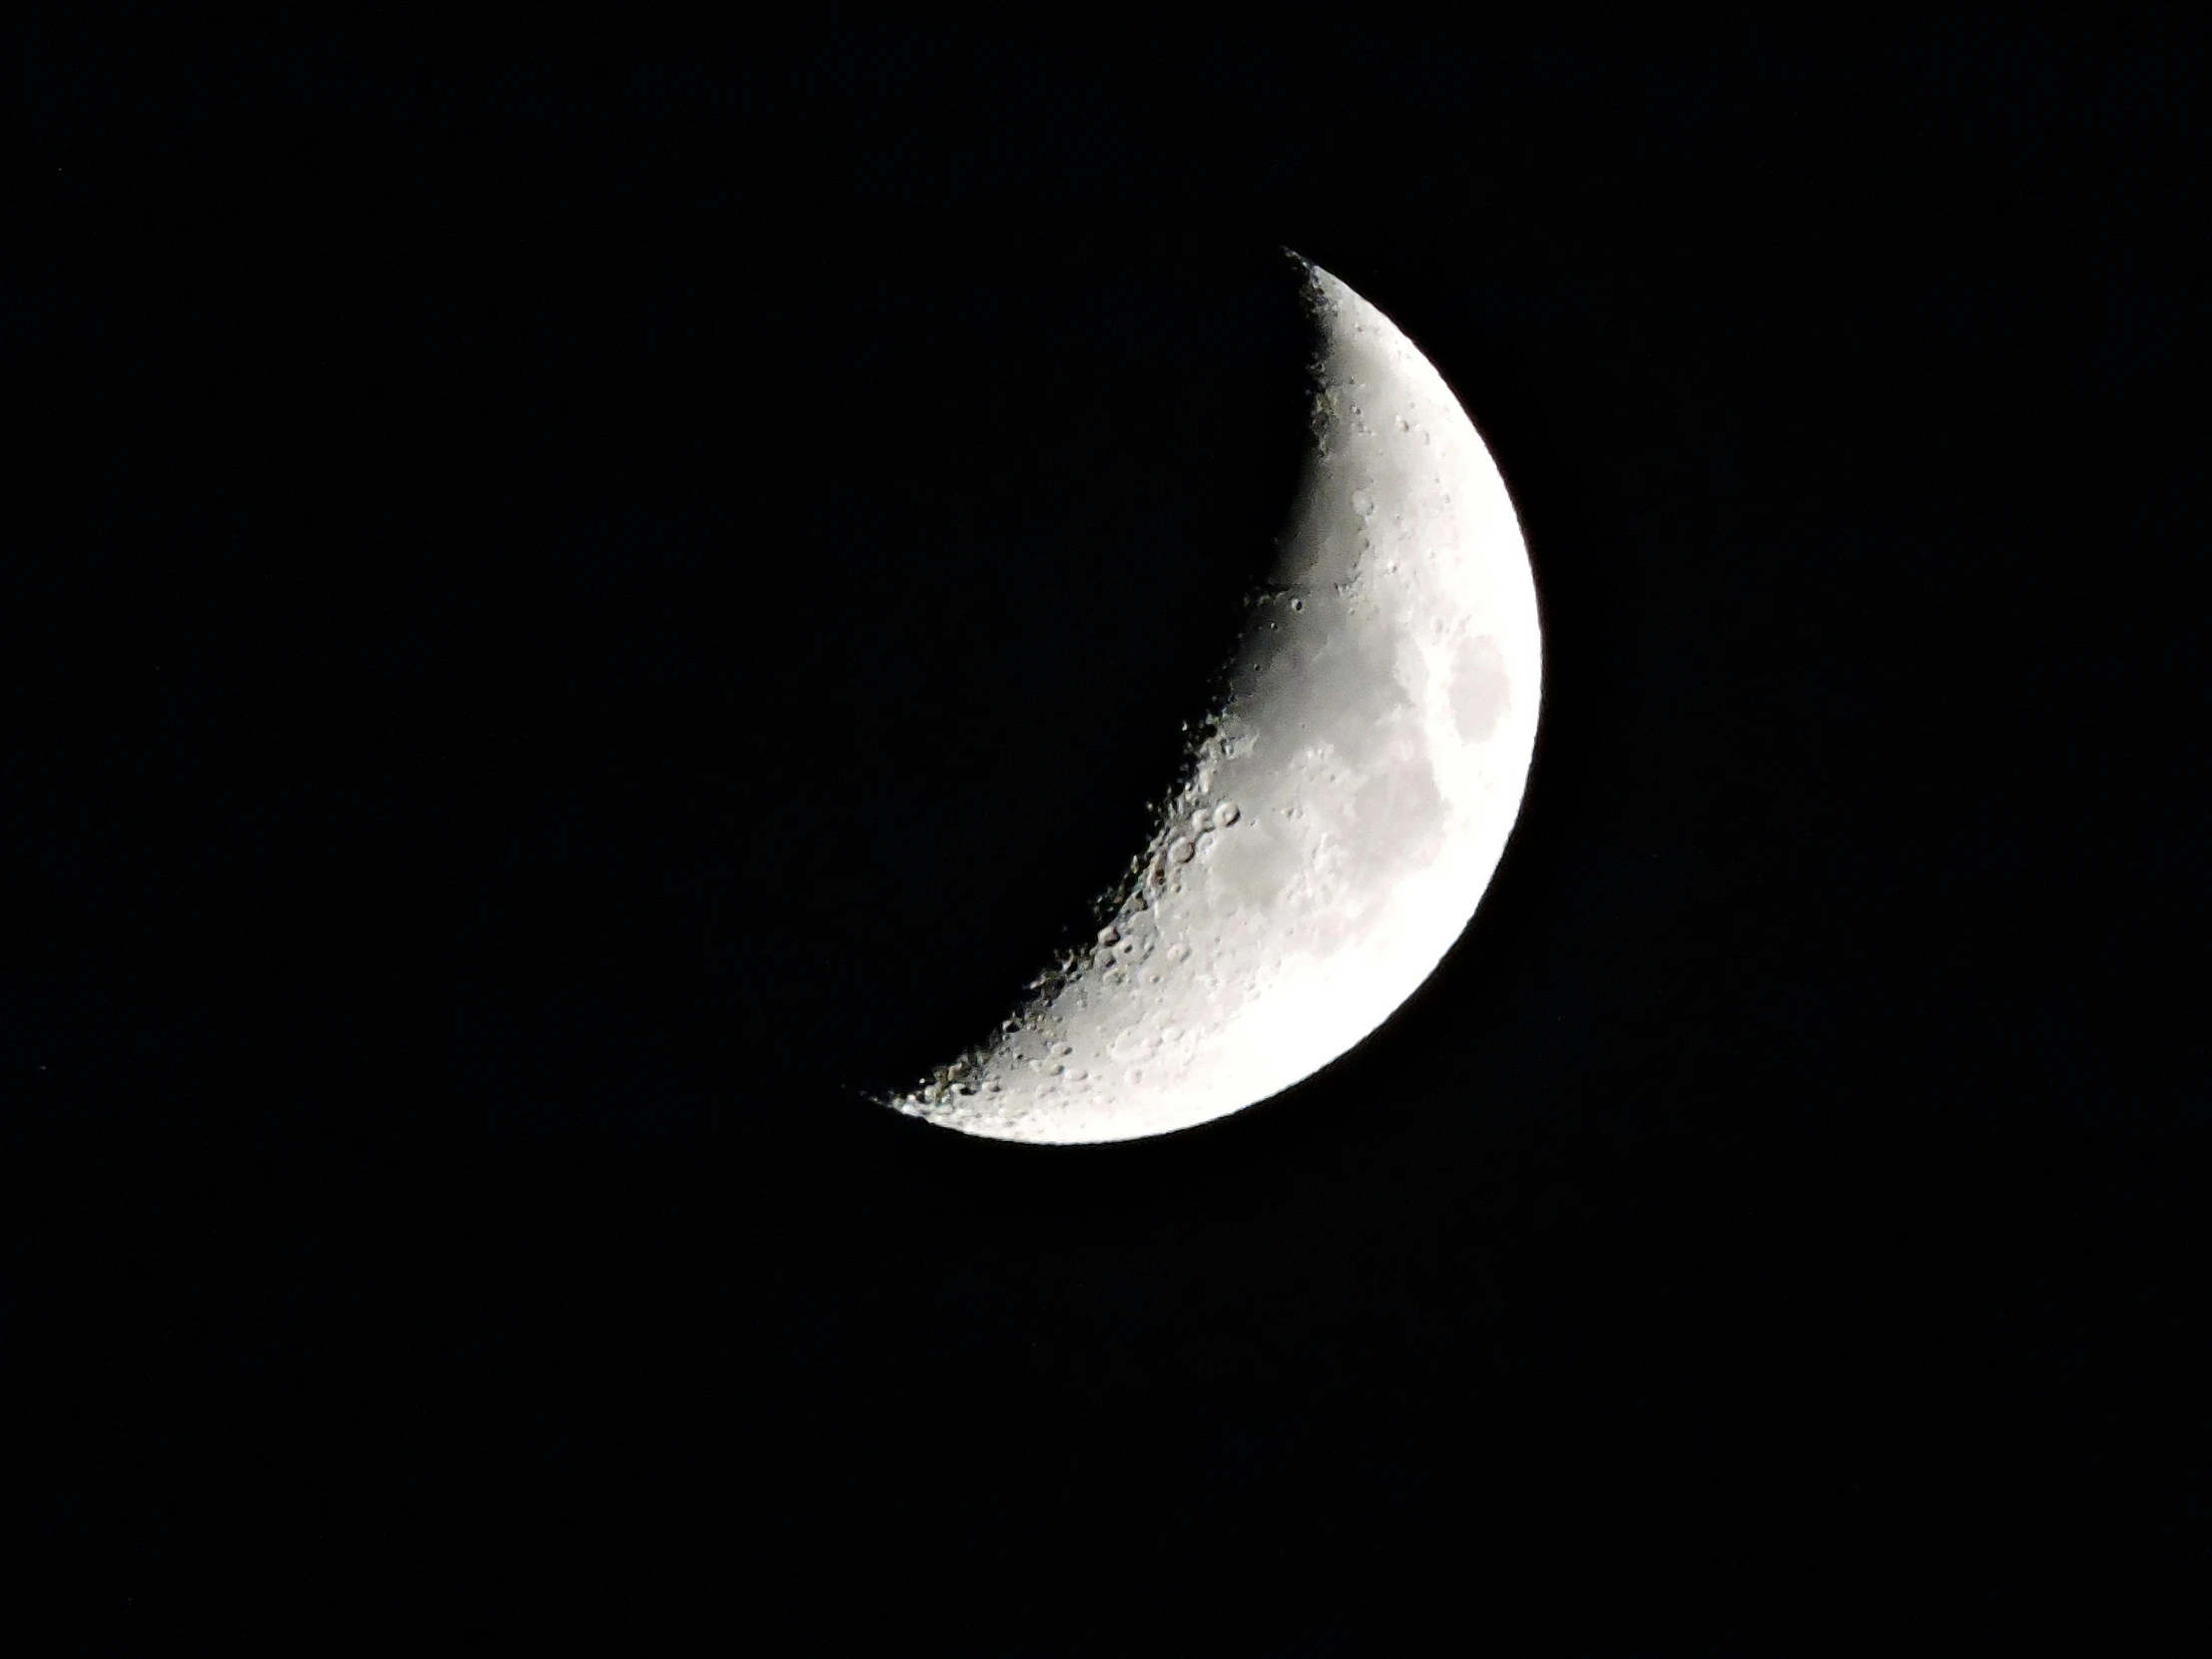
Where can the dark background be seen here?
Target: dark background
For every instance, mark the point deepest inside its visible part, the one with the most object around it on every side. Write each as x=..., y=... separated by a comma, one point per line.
x=573, y=605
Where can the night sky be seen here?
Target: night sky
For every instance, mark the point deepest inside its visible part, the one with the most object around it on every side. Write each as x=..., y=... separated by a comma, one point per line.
x=572, y=607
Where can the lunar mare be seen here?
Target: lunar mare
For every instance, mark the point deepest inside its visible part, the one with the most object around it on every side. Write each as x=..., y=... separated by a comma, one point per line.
x=1346, y=802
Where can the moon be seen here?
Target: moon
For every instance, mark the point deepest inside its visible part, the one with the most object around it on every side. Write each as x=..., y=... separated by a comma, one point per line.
x=1342, y=804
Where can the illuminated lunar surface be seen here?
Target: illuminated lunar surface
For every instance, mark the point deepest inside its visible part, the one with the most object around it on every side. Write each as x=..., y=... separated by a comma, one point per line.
x=1344, y=805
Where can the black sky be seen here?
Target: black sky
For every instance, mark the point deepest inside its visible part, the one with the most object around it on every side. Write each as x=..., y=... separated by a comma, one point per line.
x=577, y=604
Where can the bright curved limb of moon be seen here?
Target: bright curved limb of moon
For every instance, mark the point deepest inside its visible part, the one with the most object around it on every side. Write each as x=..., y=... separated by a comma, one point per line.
x=1344, y=805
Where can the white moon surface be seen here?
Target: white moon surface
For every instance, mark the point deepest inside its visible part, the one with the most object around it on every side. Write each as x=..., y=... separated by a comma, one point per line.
x=1344, y=808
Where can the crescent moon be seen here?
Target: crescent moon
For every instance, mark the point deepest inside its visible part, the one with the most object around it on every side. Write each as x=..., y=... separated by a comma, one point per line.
x=1343, y=807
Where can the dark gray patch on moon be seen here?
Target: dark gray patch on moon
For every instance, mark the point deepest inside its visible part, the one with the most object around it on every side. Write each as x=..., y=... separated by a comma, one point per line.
x=1480, y=689
x=1399, y=816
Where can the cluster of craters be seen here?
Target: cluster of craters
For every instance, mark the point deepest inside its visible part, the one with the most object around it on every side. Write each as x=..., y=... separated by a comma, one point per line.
x=1121, y=973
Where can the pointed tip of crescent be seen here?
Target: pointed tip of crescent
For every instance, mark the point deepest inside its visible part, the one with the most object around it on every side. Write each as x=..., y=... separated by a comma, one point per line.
x=1327, y=297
